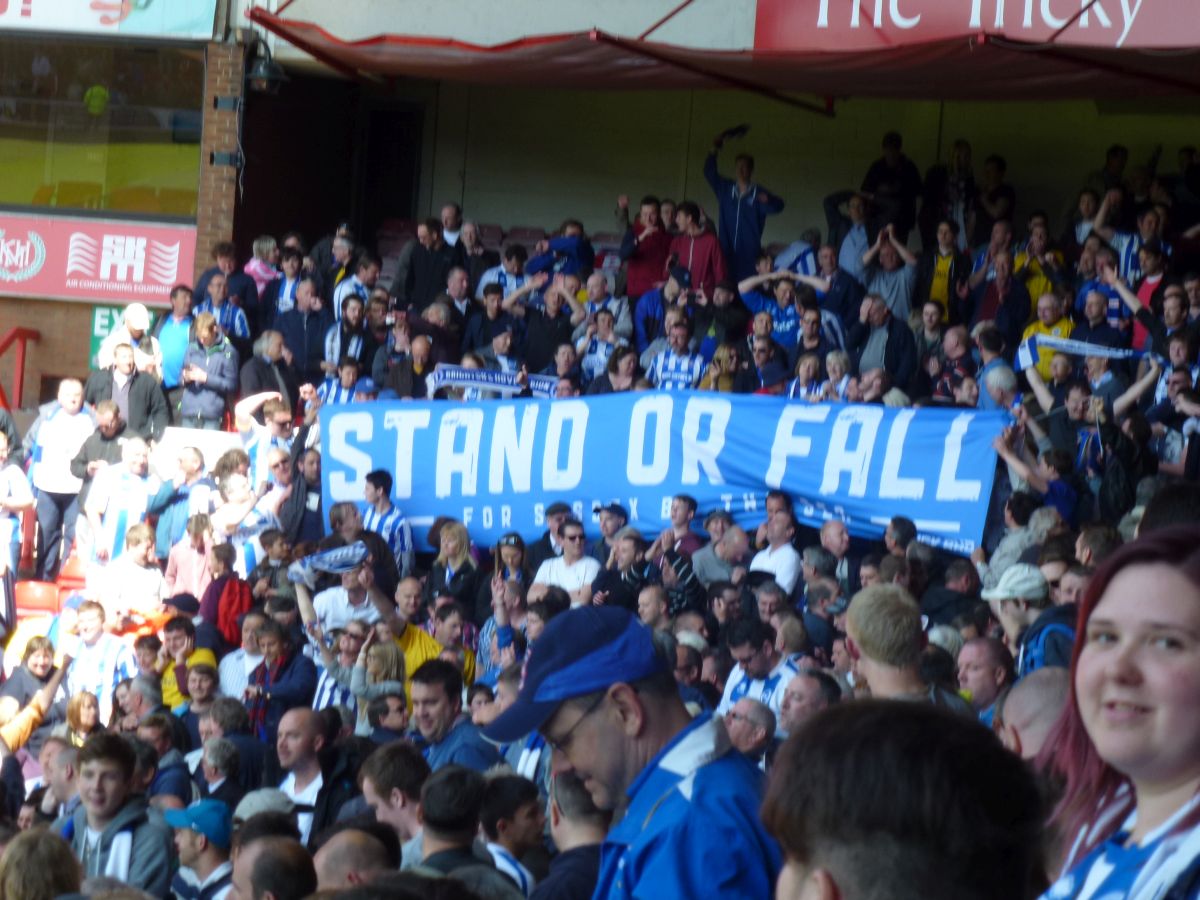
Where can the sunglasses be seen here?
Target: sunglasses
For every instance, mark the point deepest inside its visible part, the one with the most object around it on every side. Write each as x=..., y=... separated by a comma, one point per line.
x=573, y=537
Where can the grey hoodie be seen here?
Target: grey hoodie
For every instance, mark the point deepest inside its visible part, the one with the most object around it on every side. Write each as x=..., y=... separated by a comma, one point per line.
x=151, y=859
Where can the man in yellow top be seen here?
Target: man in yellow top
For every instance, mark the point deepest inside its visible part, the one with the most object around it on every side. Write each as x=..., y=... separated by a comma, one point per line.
x=1052, y=323
x=1037, y=265
x=178, y=653
x=417, y=645
x=448, y=631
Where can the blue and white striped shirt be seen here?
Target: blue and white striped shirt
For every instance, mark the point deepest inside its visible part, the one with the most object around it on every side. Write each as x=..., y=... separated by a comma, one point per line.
x=1128, y=245
x=768, y=691
x=393, y=527
x=594, y=361
x=349, y=286
x=122, y=499
x=497, y=275
x=246, y=543
x=100, y=668
x=258, y=443
x=331, y=692
x=332, y=393
x=334, y=349
x=230, y=316
x=670, y=371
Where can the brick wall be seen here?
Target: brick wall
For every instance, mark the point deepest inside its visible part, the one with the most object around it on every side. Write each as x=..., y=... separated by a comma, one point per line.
x=223, y=77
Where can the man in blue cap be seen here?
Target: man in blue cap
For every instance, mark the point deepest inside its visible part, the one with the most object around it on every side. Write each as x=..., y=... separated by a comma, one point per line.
x=202, y=837
x=686, y=802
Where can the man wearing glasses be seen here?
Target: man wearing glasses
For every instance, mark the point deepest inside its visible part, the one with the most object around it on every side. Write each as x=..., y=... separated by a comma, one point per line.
x=574, y=571
x=607, y=703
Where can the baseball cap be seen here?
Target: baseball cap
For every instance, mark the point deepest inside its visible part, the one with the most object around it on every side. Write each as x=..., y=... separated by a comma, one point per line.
x=502, y=325
x=773, y=373
x=261, y=801
x=187, y=604
x=581, y=651
x=207, y=817
x=137, y=316
x=1020, y=581
x=615, y=509
x=366, y=385
x=682, y=276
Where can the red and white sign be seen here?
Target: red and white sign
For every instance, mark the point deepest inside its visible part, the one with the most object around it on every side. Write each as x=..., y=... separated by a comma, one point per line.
x=844, y=25
x=63, y=258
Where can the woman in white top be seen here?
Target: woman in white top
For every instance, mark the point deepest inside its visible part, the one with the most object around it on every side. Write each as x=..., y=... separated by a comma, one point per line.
x=1128, y=743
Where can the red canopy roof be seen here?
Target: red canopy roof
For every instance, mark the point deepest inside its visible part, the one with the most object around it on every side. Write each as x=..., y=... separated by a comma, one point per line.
x=872, y=62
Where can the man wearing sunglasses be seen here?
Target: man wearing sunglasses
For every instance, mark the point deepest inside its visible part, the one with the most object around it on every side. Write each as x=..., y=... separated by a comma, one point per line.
x=574, y=571
x=606, y=701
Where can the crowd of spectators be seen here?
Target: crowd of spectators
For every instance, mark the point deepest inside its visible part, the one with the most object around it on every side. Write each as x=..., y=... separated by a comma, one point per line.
x=250, y=695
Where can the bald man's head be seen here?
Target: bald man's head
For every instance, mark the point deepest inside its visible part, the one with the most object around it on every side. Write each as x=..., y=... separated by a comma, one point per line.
x=1031, y=709
x=277, y=865
x=301, y=738
x=349, y=858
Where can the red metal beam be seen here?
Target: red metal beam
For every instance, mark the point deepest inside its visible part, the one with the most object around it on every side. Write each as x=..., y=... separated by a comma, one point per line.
x=741, y=84
x=19, y=336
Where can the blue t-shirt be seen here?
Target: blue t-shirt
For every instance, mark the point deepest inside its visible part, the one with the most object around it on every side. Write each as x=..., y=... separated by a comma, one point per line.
x=786, y=319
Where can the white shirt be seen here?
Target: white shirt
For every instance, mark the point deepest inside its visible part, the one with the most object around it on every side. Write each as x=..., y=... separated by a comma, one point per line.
x=783, y=563
x=306, y=797
x=59, y=438
x=335, y=610
x=235, y=672
x=568, y=577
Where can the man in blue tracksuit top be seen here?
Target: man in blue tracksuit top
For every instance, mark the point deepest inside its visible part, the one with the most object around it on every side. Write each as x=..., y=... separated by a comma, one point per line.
x=744, y=207
x=686, y=803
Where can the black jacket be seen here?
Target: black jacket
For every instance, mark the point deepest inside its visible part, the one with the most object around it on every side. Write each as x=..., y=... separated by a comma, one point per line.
x=899, y=355
x=960, y=270
x=463, y=586
x=427, y=274
x=96, y=447
x=304, y=335
x=338, y=786
x=257, y=376
x=148, y=413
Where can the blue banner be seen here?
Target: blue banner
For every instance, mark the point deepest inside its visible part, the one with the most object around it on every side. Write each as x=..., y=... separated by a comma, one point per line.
x=497, y=465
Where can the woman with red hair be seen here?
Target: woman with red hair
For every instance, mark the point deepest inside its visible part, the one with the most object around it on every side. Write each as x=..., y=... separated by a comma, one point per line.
x=1127, y=747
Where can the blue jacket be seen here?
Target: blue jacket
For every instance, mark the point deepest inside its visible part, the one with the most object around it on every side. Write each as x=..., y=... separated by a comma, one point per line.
x=692, y=827
x=170, y=504
x=172, y=778
x=569, y=255
x=742, y=218
x=221, y=363
x=463, y=745
x=294, y=686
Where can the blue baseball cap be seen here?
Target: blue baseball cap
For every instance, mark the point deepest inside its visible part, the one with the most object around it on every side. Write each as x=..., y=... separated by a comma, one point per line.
x=581, y=651
x=210, y=818
x=366, y=385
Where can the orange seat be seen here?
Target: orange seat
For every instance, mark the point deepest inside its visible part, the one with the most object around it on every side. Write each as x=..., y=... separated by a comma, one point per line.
x=73, y=574
x=34, y=597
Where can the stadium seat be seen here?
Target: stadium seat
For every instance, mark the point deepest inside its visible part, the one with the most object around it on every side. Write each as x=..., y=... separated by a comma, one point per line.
x=34, y=597
x=490, y=234
x=525, y=234
x=73, y=574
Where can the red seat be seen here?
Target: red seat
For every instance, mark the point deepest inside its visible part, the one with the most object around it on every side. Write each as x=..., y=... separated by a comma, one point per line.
x=34, y=597
x=73, y=574
x=525, y=234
